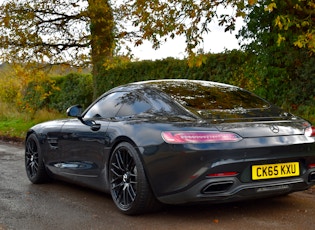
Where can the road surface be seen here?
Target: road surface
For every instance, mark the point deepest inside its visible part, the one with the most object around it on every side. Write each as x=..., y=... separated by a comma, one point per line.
x=58, y=205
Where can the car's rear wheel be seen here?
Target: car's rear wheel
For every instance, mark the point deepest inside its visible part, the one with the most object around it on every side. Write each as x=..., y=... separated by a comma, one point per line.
x=34, y=165
x=129, y=186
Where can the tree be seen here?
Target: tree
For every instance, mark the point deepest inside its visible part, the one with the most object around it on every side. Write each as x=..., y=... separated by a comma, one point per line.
x=283, y=70
x=299, y=17
x=44, y=31
x=158, y=20
x=75, y=32
x=89, y=31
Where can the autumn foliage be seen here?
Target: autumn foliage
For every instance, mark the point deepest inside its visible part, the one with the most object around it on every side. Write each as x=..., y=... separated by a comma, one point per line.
x=276, y=60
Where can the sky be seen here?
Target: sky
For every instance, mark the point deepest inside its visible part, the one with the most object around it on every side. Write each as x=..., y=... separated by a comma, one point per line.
x=215, y=41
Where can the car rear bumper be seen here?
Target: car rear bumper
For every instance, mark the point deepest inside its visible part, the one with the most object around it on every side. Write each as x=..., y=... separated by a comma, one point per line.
x=229, y=189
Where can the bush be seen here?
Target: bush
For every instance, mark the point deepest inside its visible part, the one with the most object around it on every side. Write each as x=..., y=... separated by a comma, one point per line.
x=226, y=67
x=139, y=71
x=25, y=88
x=37, y=93
x=73, y=89
x=292, y=89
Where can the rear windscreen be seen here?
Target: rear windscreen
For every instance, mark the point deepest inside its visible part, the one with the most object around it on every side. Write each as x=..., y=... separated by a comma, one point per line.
x=201, y=95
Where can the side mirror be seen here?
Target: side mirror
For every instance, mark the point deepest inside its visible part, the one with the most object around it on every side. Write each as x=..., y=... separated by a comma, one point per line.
x=74, y=111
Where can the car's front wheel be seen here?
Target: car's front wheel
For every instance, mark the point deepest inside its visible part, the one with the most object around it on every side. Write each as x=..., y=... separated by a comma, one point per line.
x=34, y=164
x=129, y=186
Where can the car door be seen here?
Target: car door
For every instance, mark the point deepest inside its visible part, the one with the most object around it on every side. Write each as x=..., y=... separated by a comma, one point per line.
x=82, y=143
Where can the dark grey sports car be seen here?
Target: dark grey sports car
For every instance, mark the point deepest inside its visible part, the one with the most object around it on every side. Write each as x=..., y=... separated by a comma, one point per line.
x=175, y=142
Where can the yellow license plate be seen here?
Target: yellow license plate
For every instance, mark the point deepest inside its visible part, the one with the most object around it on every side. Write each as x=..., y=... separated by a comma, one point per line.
x=275, y=170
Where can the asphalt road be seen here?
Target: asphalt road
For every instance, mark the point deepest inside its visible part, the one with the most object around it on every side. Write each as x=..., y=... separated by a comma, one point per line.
x=59, y=205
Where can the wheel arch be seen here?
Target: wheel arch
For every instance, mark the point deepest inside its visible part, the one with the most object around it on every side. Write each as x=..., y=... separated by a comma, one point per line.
x=40, y=138
x=142, y=199
x=122, y=139
x=29, y=132
x=41, y=173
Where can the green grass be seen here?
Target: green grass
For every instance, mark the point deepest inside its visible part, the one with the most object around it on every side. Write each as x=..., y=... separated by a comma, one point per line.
x=14, y=128
x=14, y=124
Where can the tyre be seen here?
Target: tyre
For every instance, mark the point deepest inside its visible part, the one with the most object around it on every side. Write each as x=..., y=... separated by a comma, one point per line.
x=129, y=187
x=34, y=164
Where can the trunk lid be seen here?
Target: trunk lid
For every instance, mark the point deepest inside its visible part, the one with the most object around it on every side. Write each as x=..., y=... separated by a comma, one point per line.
x=265, y=128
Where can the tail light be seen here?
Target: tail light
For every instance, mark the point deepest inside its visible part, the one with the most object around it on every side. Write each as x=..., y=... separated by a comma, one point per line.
x=223, y=174
x=310, y=131
x=199, y=137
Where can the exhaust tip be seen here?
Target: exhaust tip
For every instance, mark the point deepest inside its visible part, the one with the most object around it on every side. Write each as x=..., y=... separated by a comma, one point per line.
x=311, y=177
x=217, y=187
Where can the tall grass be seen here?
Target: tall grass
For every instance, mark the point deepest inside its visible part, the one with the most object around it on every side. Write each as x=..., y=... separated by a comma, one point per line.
x=14, y=123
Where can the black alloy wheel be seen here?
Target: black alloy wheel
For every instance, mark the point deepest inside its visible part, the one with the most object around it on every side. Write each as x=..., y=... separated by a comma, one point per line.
x=34, y=165
x=129, y=187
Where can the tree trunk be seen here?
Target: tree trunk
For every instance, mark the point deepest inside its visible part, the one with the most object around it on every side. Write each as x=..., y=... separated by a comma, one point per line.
x=102, y=36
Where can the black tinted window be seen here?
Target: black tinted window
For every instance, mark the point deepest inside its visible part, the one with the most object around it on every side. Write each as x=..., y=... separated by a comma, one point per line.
x=164, y=104
x=202, y=95
x=118, y=104
x=133, y=104
x=214, y=100
x=106, y=107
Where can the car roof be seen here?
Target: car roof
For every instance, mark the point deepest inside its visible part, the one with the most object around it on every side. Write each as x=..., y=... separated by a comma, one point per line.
x=155, y=83
x=161, y=81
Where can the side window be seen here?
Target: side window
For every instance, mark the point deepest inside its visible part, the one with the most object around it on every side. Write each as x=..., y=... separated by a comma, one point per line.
x=133, y=104
x=132, y=109
x=106, y=107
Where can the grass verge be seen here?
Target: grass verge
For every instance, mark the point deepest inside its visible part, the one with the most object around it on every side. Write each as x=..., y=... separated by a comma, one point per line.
x=15, y=124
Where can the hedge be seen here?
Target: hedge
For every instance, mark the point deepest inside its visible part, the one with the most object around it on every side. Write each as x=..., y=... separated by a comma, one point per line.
x=225, y=67
x=232, y=67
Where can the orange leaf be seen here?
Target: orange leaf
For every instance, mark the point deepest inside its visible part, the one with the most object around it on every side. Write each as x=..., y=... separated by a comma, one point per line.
x=216, y=221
